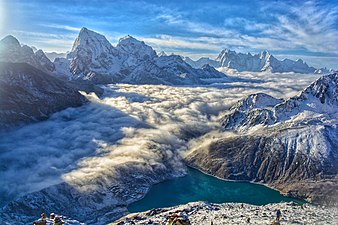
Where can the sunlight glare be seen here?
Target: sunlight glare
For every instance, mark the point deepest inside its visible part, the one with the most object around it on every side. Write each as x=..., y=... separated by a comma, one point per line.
x=2, y=16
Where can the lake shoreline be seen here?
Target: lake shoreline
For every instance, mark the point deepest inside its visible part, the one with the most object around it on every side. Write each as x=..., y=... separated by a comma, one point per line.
x=199, y=186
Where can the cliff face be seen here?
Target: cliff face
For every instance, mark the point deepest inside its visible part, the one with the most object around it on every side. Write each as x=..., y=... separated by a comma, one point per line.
x=283, y=160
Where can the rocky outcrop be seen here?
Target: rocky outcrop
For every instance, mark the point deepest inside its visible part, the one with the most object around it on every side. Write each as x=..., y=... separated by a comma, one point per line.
x=289, y=145
x=28, y=94
x=235, y=213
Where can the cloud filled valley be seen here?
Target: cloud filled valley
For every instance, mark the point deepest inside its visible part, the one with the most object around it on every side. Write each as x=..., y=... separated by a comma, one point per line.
x=141, y=126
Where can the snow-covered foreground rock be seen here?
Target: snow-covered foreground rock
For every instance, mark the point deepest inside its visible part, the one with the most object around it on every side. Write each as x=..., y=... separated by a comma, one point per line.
x=235, y=213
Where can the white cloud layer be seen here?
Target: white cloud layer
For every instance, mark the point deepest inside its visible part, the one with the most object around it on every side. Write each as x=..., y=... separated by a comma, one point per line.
x=144, y=125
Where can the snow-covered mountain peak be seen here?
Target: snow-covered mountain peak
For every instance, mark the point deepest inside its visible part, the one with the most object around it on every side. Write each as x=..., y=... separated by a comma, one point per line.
x=10, y=42
x=90, y=39
x=11, y=51
x=128, y=38
x=44, y=60
x=131, y=45
x=225, y=53
x=324, y=89
x=264, y=54
x=314, y=105
x=162, y=53
x=258, y=100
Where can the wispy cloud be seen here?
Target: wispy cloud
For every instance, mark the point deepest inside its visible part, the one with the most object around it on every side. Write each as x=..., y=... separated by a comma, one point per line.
x=62, y=27
x=174, y=42
x=309, y=28
x=46, y=41
x=286, y=27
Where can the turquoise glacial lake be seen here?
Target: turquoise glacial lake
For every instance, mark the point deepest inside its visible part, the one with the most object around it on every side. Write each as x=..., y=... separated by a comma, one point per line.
x=197, y=186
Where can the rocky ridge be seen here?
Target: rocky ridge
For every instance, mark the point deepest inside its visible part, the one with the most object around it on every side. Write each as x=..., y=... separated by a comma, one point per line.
x=289, y=145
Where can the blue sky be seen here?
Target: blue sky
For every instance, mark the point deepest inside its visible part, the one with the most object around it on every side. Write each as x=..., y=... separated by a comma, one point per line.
x=293, y=29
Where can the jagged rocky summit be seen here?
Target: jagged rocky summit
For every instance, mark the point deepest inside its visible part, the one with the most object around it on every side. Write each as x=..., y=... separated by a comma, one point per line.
x=263, y=61
x=132, y=61
x=288, y=144
x=93, y=60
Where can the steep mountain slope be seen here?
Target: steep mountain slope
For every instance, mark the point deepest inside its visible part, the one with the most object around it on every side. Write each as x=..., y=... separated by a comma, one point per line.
x=93, y=58
x=290, y=145
x=28, y=94
x=263, y=61
x=317, y=104
x=12, y=51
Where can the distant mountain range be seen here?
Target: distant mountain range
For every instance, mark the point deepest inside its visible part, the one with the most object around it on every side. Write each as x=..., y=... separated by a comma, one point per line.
x=289, y=144
x=263, y=61
x=53, y=55
x=93, y=59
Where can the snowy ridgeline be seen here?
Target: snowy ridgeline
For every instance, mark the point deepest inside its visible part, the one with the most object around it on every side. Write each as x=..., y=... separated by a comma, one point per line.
x=94, y=59
x=236, y=213
x=263, y=61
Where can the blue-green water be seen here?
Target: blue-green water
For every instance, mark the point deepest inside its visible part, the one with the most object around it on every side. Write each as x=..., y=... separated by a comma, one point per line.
x=197, y=186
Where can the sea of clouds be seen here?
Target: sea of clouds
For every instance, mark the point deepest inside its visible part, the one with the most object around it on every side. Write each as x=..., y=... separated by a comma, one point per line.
x=149, y=125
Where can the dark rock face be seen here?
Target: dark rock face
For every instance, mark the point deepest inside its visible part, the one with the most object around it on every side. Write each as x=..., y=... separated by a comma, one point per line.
x=273, y=160
x=28, y=94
